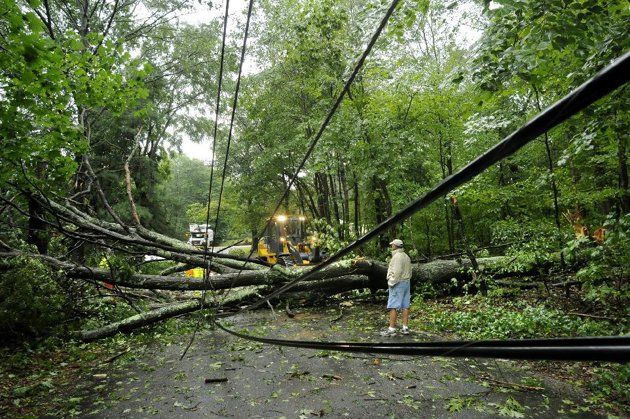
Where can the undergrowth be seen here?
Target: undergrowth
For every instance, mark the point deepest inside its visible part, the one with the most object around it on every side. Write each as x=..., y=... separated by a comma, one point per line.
x=473, y=317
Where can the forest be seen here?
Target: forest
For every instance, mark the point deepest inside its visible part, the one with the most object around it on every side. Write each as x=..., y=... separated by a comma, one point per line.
x=342, y=113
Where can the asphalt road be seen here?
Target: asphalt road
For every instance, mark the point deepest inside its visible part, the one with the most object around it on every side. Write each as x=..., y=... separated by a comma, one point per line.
x=266, y=381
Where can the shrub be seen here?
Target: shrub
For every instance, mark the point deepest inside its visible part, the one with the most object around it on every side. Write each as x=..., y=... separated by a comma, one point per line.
x=31, y=299
x=476, y=318
x=606, y=274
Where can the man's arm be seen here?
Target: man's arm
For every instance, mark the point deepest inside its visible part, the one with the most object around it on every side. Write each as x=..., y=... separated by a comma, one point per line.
x=395, y=268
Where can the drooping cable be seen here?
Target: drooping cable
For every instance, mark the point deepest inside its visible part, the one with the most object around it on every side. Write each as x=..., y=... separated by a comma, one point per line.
x=596, y=348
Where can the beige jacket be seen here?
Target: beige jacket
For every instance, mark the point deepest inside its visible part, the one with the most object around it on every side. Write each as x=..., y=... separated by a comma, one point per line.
x=399, y=268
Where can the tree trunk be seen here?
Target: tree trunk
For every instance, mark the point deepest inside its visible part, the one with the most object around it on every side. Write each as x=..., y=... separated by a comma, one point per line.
x=338, y=277
x=333, y=198
x=143, y=319
x=446, y=166
x=436, y=272
x=357, y=206
x=37, y=234
x=382, y=208
x=428, y=238
x=343, y=185
x=321, y=187
x=624, y=196
x=310, y=202
x=554, y=186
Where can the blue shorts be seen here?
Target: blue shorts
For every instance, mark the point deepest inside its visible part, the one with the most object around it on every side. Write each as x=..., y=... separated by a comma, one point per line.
x=399, y=296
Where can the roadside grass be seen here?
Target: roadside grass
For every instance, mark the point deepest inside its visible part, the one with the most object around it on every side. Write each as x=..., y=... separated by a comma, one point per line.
x=473, y=317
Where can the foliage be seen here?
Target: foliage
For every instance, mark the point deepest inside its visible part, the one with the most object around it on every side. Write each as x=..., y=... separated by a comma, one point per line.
x=32, y=301
x=611, y=383
x=497, y=317
x=44, y=81
x=155, y=267
x=325, y=236
x=475, y=317
x=533, y=245
x=606, y=274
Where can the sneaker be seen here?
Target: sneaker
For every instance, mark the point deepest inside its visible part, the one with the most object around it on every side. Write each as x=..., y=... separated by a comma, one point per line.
x=405, y=331
x=388, y=332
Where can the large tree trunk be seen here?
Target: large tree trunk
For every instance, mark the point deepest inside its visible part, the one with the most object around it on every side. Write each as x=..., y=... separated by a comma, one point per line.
x=343, y=187
x=624, y=196
x=37, y=233
x=366, y=275
x=339, y=277
x=336, y=285
x=436, y=272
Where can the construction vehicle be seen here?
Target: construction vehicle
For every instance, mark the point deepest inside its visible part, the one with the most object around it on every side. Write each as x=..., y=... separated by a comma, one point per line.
x=285, y=242
x=200, y=235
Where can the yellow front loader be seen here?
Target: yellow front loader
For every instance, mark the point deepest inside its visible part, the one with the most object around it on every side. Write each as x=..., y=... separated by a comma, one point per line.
x=285, y=242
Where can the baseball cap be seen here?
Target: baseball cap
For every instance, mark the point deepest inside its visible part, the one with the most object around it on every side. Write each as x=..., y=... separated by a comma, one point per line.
x=397, y=242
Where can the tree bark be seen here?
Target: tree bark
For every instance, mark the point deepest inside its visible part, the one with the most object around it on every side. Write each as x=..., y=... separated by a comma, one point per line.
x=439, y=271
x=624, y=197
x=37, y=233
x=357, y=206
x=343, y=185
x=142, y=238
x=143, y=319
x=338, y=277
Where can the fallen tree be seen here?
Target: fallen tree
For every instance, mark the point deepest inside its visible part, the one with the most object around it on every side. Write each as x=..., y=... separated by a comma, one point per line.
x=153, y=316
x=436, y=272
x=338, y=277
x=228, y=271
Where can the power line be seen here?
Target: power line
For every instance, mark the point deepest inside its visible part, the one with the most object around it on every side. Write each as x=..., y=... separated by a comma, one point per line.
x=214, y=144
x=596, y=348
x=238, y=85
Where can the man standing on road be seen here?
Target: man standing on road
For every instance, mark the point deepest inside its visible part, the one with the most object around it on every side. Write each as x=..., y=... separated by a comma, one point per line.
x=398, y=281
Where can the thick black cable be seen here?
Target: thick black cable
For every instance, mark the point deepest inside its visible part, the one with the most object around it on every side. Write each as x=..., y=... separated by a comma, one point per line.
x=610, y=78
x=597, y=348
